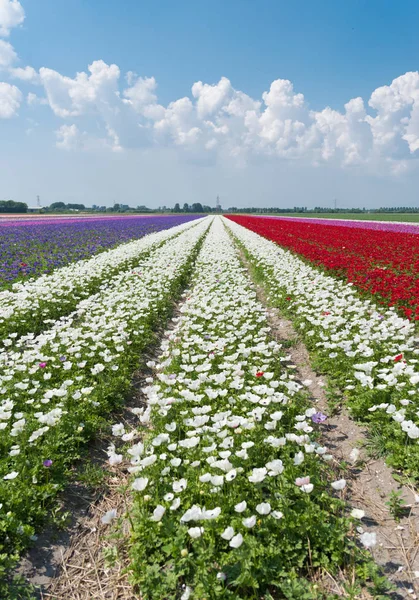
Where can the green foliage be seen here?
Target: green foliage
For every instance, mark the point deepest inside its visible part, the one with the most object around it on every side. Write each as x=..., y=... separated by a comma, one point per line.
x=396, y=505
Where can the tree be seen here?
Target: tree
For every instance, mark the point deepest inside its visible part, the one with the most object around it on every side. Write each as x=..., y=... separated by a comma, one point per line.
x=76, y=206
x=177, y=208
x=197, y=207
x=186, y=207
x=10, y=206
x=55, y=205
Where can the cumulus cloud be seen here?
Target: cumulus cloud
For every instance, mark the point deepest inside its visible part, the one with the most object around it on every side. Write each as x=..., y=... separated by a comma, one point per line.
x=27, y=74
x=8, y=55
x=11, y=15
x=10, y=99
x=68, y=137
x=217, y=120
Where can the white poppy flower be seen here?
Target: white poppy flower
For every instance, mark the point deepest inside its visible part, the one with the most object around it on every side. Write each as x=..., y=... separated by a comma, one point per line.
x=264, y=508
x=158, y=513
x=241, y=506
x=140, y=484
x=196, y=532
x=249, y=522
x=368, y=540
x=109, y=516
x=228, y=533
x=339, y=485
x=236, y=541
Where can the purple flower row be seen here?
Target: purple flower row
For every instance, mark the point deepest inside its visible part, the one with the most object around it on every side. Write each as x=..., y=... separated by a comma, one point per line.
x=30, y=249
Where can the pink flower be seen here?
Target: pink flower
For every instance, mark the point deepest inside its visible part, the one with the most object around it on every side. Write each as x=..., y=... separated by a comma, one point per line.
x=42, y=365
x=300, y=481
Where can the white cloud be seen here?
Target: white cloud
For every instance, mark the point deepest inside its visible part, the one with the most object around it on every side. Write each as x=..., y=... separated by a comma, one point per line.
x=68, y=137
x=220, y=121
x=11, y=15
x=86, y=92
x=34, y=100
x=7, y=55
x=10, y=99
x=395, y=127
x=27, y=74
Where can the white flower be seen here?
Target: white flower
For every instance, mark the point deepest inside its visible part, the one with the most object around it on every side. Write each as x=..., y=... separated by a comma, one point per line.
x=211, y=514
x=186, y=594
x=140, y=484
x=158, y=513
x=231, y=475
x=357, y=513
x=179, y=486
x=307, y=488
x=115, y=459
x=195, y=532
x=192, y=514
x=118, y=430
x=169, y=497
x=298, y=458
x=354, y=455
x=258, y=475
x=277, y=514
x=236, y=541
x=249, y=522
x=241, y=506
x=275, y=467
x=227, y=533
x=368, y=540
x=175, y=504
x=11, y=475
x=339, y=485
x=264, y=508
x=109, y=516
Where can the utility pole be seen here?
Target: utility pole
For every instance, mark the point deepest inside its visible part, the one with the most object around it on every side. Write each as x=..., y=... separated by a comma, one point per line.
x=38, y=201
x=335, y=203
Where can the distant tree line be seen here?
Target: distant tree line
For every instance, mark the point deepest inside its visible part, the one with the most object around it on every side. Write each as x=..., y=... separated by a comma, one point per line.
x=62, y=206
x=10, y=206
x=196, y=207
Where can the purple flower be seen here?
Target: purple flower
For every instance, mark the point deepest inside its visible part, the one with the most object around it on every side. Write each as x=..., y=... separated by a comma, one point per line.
x=62, y=358
x=42, y=365
x=318, y=417
x=47, y=463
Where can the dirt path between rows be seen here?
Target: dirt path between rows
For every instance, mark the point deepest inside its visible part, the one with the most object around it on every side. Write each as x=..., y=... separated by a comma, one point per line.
x=370, y=481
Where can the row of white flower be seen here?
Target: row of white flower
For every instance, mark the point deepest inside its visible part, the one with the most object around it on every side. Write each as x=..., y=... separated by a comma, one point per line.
x=59, y=292
x=376, y=349
x=69, y=370
x=230, y=468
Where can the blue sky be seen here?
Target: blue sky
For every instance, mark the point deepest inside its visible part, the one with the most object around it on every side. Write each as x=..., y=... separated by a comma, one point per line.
x=332, y=125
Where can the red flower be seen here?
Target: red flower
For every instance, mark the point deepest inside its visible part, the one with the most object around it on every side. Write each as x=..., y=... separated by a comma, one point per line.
x=398, y=357
x=260, y=374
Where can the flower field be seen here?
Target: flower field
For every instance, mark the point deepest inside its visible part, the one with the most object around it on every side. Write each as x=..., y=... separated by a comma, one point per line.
x=232, y=489
x=57, y=387
x=371, y=354
x=32, y=248
x=232, y=464
x=382, y=262
x=27, y=306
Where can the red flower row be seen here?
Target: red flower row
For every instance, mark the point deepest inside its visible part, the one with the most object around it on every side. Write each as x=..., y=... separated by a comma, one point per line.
x=382, y=263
